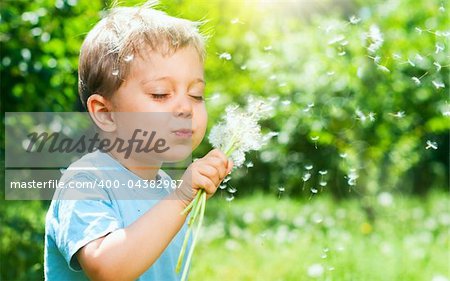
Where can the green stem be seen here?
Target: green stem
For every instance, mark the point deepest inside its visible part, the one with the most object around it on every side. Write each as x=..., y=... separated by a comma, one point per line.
x=202, y=202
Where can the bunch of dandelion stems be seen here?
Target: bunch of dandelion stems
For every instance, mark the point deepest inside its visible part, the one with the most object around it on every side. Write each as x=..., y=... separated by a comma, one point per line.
x=197, y=205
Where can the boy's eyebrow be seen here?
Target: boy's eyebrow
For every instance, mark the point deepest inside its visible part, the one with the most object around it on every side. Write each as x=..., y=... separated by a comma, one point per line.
x=197, y=80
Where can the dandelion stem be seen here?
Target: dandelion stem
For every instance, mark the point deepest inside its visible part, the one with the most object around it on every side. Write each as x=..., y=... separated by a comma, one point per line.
x=202, y=203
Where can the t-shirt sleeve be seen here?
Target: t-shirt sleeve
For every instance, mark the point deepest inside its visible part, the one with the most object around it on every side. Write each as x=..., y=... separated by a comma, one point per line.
x=80, y=221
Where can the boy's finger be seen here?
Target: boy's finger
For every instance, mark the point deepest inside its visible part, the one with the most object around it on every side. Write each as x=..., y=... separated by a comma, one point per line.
x=229, y=166
x=218, y=153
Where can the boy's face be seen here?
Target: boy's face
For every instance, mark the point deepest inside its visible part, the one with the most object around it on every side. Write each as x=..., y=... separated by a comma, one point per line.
x=171, y=90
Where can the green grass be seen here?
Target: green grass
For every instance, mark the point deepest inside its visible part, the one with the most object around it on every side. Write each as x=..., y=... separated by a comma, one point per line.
x=266, y=238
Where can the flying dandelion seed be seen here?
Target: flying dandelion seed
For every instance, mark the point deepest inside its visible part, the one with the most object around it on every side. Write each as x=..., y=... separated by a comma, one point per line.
x=371, y=116
x=399, y=114
x=438, y=66
x=438, y=84
x=354, y=19
x=229, y=198
x=315, y=270
x=343, y=155
x=323, y=173
x=323, y=183
x=419, y=30
x=306, y=177
x=225, y=56
x=330, y=73
x=243, y=67
x=323, y=256
x=341, y=53
x=236, y=21
x=315, y=139
x=308, y=107
x=128, y=58
x=225, y=180
x=419, y=57
x=267, y=48
x=331, y=268
x=115, y=72
x=281, y=189
x=383, y=68
x=283, y=84
x=416, y=80
x=360, y=116
x=232, y=190
x=396, y=56
x=351, y=177
x=442, y=8
x=411, y=63
x=272, y=77
x=286, y=102
x=313, y=190
x=439, y=48
x=309, y=167
x=431, y=144
x=375, y=37
x=222, y=186
x=249, y=164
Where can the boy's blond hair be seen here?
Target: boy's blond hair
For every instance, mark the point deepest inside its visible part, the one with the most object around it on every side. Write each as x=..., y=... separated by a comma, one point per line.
x=126, y=32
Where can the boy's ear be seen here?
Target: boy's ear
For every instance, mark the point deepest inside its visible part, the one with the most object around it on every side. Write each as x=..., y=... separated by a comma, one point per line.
x=99, y=108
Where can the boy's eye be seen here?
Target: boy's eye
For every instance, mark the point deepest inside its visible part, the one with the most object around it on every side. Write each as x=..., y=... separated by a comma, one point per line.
x=160, y=96
x=199, y=98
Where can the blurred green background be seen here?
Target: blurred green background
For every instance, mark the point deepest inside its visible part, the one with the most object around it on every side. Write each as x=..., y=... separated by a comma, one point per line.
x=355, y=185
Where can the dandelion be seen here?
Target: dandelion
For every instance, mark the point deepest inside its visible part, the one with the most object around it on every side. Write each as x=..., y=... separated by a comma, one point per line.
x=438, y=84
x=225, y=56
x=431, y=144
x=237, y=133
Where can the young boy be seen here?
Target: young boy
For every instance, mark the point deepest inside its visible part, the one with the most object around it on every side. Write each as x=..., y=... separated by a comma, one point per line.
x=134, y=61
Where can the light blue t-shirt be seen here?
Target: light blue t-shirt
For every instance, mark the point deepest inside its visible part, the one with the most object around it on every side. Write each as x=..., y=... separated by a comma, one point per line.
x=79, y=215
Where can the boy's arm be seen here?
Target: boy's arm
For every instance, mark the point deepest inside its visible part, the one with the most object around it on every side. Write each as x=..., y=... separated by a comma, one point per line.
x=127, y=253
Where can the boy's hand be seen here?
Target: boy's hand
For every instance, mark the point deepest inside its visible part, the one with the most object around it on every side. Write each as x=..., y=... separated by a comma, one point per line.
x=205, y=173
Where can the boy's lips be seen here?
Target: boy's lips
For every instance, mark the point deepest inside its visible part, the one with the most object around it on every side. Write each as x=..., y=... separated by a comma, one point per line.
x=183, y=133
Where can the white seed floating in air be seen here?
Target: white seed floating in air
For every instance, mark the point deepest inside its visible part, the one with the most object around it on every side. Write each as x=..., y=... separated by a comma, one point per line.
x=438, y=84
x=431, y=144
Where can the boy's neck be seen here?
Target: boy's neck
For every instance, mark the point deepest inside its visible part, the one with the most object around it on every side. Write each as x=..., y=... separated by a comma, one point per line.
x=145, y=171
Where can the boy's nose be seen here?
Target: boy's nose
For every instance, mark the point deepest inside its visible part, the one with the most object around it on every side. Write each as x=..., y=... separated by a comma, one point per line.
x=183, y=108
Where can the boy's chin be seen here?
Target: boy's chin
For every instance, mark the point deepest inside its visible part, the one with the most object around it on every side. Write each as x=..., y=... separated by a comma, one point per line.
x=177, y=154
